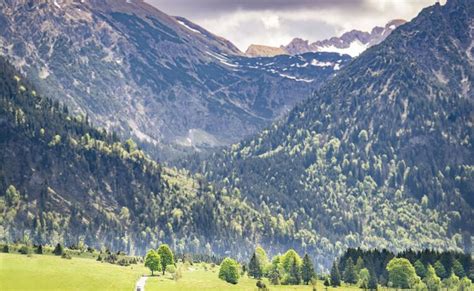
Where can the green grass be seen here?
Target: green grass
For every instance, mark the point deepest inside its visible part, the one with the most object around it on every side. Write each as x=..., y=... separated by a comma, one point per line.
x=44, y=272
x=199, y=278
x=47, y=272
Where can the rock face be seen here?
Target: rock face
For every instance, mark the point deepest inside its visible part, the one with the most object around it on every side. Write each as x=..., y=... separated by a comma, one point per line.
x=256, y=50
x=352, y=43
x=131, y=68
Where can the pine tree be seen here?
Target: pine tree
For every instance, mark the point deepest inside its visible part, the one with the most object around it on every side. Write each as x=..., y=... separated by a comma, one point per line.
x=458, y=269
x=326, y=282
x=440, y=270
x=359, y=265
x=307, y=269
x=255, y=270
x=58, y=250
x=335, y=275
x=295, y=273
x=420, y=269
x=432, y=281
x=373, y=284
x=350, y=275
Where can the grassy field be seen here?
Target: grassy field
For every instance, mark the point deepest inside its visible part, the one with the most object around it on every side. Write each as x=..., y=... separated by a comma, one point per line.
x=44, y=272
x=47, y=272
x=200, y=277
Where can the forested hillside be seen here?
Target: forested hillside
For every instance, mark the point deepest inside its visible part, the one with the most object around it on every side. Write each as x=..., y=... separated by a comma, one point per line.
x=62, y=180
x=381, y=156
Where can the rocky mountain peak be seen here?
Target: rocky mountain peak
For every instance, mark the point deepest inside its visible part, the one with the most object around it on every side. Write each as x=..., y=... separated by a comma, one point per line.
x=352, y=42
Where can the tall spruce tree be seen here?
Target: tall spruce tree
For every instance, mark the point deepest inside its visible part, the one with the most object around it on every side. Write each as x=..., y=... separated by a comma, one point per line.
x=335, y=275
x=307, y=269
x=440, y=270
x=373, y=284
x=350, y=275
x=458, y=269
x=255, y=269
x=420, y=268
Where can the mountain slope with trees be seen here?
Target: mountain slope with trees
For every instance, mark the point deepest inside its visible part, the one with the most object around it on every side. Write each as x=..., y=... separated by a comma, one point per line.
x=64, y=181
x=381, y=156
x=163, y=80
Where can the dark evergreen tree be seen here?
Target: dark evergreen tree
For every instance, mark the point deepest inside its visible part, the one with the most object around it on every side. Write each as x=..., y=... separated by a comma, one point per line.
x=255, y=270
x=39, y=250
x=294, y=274
x=58, y=250
x=440, y=270
x=307, y=269
x=335, y=275
x=350, y=275
x=327, y=282
x=420, y=269
x=373, y=284
x=458, y=269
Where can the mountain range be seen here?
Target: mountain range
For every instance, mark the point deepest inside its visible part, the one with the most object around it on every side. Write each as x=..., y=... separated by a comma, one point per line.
x=353, y=42
x=163, y=80
x=381, y=156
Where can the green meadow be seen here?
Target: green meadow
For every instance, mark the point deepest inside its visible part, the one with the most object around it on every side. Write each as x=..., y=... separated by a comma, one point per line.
x=204, y=277
x=47, y=272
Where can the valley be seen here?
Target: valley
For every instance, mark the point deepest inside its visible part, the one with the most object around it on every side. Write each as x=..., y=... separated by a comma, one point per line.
x=135, y=143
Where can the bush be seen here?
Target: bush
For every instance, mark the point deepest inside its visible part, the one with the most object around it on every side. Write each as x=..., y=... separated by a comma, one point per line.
x=178, y=274
x=39, y=250
x=261, y=286
x=123, y=262
x=66, y=256
x=5, y=249
x=58, y=250
x=171, y=269
x=229, y=271
x=25, y=250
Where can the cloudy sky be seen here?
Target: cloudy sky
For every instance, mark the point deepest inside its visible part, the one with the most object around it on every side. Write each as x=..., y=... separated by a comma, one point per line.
x=276, y=22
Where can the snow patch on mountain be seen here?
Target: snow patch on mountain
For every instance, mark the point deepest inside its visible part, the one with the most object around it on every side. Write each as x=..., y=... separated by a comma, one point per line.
x=188, y=27
x=354, y=49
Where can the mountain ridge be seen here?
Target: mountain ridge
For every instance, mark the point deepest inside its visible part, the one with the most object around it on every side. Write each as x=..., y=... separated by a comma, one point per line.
x=351, y=42
x=138, y=71
x=381, y=153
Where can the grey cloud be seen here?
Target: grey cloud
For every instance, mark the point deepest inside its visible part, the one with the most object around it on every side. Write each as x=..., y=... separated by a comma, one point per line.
x=203, y=7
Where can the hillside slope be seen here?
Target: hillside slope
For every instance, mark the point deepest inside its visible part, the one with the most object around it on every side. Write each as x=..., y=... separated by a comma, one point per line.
x=381, y=156
x=160, y=79
x=62, y=180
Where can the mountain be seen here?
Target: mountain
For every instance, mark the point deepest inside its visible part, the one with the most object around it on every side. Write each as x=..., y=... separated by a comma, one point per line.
x=64, y=181
x=381, y=156
x=162, y=80
x=352, y=43
x=255, y=50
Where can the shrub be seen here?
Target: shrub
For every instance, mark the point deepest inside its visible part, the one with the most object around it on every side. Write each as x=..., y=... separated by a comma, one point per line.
x=171, y=269
x=178, y=274
x=229, y=271
x=58, y=250
x=25, y=250
x=66, y=256
x=123, y=262
x=5, y=249
x=261, y=286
